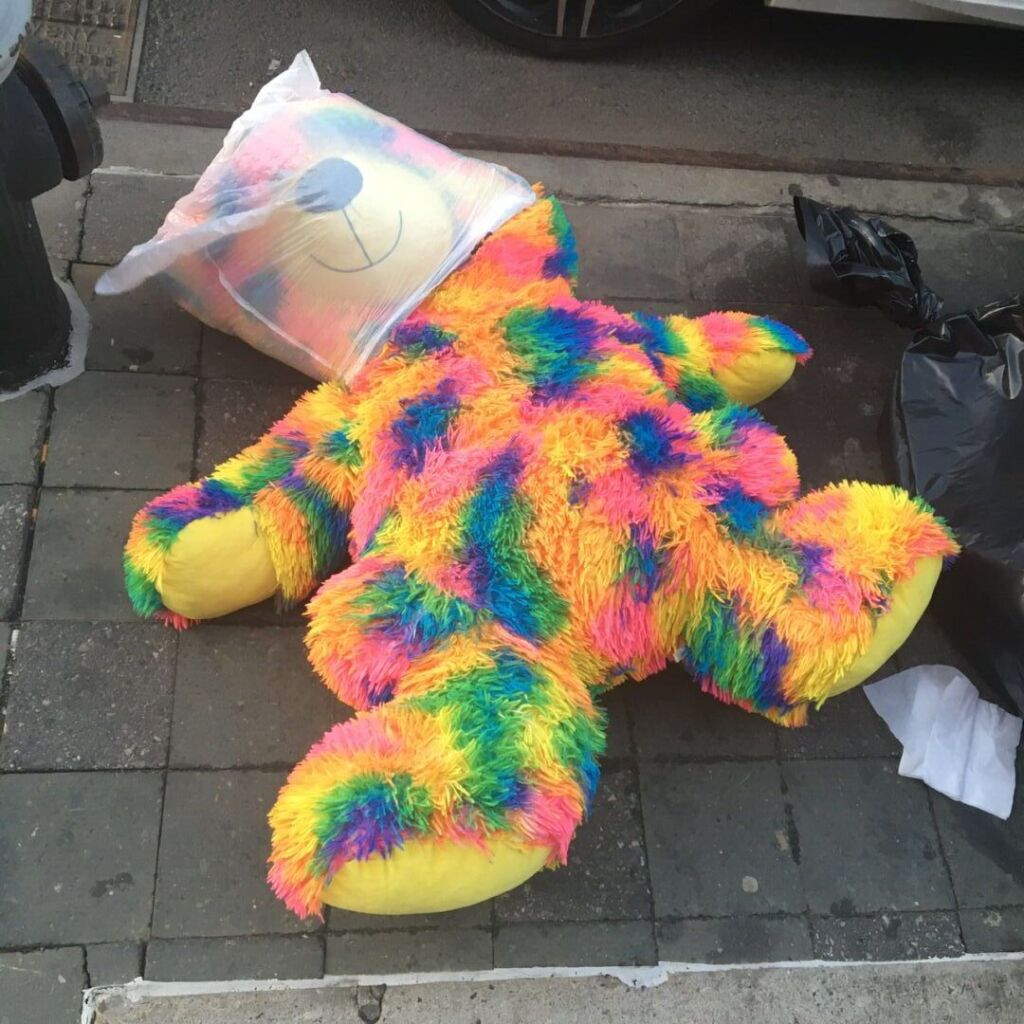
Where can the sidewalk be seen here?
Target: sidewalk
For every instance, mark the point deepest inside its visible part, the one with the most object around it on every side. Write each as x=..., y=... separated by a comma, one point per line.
x=137, y=765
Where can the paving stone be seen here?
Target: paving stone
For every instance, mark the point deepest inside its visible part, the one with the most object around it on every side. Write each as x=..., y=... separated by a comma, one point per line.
x=458, y=949
x=672, y=718
x=15, y=514
x=866, y=838
x=79, y=855
x=255, y=956
x=234, y=414
x=577, y=944
x=141, y=331
x=743, y=258
x=113, y=963
x=213, y=857
x=846, y=726
x=22, y=425
x=606, y=876
x=984, y=853
x=225, y=356
x=121, y=430
x=59, y=213
x=619, y=743
x=890, y=936
x=477, y=916
x=832, y=411
x=718, y=840
x=44, y=987
x=247, y=696
x=993, y=931
x=76, y=569
x=734, y=940
x=628, y=251
x=124, y=210
x=87, y=695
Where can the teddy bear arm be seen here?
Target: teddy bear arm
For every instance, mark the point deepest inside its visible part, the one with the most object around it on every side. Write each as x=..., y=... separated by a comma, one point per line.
x=273, y=519
x=732, y=356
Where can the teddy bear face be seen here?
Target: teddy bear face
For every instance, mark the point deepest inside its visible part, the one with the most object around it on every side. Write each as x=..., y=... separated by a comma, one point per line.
x=319, y=226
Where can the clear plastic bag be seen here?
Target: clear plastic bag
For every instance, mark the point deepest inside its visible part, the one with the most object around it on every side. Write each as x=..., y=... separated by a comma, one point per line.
x=319, y=226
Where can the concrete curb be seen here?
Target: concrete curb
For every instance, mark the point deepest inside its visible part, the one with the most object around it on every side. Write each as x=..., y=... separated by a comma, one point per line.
x=983, y=988
x=140, y=148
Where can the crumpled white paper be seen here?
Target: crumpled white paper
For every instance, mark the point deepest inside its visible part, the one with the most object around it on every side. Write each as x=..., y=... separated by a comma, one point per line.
x=953, y=741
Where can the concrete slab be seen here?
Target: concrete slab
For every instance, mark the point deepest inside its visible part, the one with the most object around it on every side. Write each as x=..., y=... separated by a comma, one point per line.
x=672, y=718
x=393, y=952
x=575, y=943
x=89, y=695
x=213, y=853
x=125, y=210
x=258, y=956
x=735, y=940
x=142, y=331
x=42, y=987
x=888, y=937
x=247, y=697
x=113, y=963
x=76, y=570
x=233, y=414
x=122, y=430
x=74, y=872
x=984, y=854
x=718, y=839
x=606, y=877
x=993, y=931
x=866, y=838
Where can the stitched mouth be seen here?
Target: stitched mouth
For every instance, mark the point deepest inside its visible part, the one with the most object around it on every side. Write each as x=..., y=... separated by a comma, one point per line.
x=370, y=261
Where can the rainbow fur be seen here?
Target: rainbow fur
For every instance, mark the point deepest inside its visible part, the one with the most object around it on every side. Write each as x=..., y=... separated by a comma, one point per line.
x=540, y=496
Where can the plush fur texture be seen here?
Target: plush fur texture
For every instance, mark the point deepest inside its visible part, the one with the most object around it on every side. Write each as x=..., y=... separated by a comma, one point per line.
x=540, y=496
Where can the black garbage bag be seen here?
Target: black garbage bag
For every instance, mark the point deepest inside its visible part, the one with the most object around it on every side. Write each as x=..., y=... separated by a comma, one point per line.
x=958, y=438
x=865, y=262
x=957, y=429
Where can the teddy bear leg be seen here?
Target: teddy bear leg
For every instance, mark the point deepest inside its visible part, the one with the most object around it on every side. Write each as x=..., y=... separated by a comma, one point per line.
x=272, y=520
x=872, y=556
x=825, y=591
x=470, y=777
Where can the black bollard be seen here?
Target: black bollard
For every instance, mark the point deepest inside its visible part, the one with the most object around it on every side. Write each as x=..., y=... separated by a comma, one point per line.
x=48, y=132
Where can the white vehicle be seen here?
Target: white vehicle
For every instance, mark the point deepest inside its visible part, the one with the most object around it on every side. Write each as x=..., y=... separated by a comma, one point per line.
x=14, y=15
x=575, y=27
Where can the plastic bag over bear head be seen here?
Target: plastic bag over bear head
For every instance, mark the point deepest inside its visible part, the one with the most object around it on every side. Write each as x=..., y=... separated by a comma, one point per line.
x=319, y=226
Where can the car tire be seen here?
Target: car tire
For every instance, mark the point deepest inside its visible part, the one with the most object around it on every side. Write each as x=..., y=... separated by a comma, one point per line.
x=510, y=22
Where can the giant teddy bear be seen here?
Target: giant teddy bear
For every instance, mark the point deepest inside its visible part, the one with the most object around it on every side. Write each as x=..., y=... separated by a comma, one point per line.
x=524, y=499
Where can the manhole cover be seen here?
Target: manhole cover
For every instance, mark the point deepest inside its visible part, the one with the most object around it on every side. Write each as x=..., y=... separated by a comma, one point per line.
x=96, y=37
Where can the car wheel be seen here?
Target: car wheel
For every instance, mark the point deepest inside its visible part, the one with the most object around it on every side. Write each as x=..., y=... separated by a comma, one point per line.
x=567, y=28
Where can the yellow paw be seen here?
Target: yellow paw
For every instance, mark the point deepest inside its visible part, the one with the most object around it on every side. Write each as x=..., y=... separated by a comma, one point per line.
x=752, y=378
x=216, y=566
x=906, y=606
x=426, y=876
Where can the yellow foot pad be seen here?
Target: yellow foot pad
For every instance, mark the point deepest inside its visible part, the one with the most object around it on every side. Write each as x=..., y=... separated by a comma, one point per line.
x=216, y=566
x=426, y=876
x=906, y=606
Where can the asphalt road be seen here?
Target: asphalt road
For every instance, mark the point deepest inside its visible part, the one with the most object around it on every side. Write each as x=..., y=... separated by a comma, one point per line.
x=743, y=80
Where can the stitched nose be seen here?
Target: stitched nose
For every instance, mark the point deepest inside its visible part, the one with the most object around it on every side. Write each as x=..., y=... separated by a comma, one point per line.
x=329, y=185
